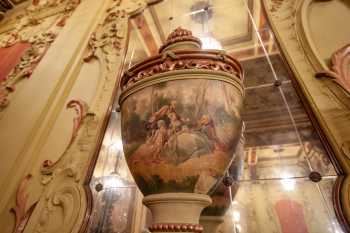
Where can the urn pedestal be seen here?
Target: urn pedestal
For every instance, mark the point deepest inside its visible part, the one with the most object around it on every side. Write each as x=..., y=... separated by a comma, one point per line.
x=181, y=122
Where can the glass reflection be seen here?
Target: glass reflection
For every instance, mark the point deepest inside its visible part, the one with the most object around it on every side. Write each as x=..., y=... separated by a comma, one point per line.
x=113, y=210
x=286, y=206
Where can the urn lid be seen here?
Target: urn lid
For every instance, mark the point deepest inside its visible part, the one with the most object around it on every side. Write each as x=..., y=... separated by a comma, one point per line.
x=179, y=39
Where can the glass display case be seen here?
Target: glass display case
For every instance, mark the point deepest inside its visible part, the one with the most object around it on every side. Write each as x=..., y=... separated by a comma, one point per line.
x=288, y=176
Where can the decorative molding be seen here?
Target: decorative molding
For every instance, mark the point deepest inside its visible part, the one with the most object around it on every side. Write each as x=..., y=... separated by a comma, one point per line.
x=304, y=35
x=62, y=204
x=81, y=109
x=180, y=60
x=21, y=213
x=340, y=60
x=28, y=24
x=29, y=30
x=176, y=227
x=109, y=35
x=64, y=192
x=63, y=195
x=340, y=68
x=32, y=56
x=109, y=51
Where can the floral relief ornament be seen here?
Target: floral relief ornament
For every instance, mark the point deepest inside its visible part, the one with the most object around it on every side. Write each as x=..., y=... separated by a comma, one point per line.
x=81, y=110
x=108, y=37
x=40, y=42
x=24, y=69
x=21, y=213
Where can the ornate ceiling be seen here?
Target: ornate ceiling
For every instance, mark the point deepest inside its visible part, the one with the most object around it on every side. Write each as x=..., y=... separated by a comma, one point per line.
x=227, y=21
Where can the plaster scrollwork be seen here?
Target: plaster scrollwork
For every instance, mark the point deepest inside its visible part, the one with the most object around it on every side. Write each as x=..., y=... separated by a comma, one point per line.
x=31, y=29
x=24, y=69
x=63, y=195
x=62, y=201
x=340, y=69
x=81, y=110
x=64, y=189
x=60, y=177
x=20, y=211
x=107, y=41
x=108, y=44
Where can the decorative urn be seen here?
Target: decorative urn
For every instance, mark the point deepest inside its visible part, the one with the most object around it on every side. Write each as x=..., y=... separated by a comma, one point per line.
x=213, y=216
x=181, y=122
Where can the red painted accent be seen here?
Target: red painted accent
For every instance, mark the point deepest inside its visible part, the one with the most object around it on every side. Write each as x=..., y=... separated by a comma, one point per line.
x=291, y=216
x=10, y=57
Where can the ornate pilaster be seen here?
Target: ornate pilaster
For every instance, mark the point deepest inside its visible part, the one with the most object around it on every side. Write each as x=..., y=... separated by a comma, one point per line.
x=61, y=161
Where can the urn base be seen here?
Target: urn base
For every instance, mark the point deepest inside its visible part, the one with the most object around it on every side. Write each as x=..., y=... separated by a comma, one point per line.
x=211, y=223
x=176, y=212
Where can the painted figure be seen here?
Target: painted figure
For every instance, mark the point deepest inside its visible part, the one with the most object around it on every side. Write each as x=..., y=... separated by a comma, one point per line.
x=207, y=127
x=158, y=140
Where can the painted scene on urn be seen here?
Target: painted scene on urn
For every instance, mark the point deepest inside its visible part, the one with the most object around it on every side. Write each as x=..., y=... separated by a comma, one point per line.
x=180, y=135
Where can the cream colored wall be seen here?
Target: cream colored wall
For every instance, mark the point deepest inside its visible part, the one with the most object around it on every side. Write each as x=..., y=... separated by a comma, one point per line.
x=36, y=125
x=309, y=32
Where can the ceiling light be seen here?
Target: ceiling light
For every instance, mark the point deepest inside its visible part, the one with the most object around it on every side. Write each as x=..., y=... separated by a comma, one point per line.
x=210, y=43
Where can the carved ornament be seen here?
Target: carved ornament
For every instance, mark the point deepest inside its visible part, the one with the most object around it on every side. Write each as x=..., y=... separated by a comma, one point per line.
x=63, y=191
x=108, y=37
x=21, y=213
x=81, y=110
x=340, y=68
x=181, y=60
x=64, y=198
x=176, y=227
x=40, y=40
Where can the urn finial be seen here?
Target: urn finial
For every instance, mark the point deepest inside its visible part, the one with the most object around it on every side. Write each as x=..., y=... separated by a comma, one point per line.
x=179, y=39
